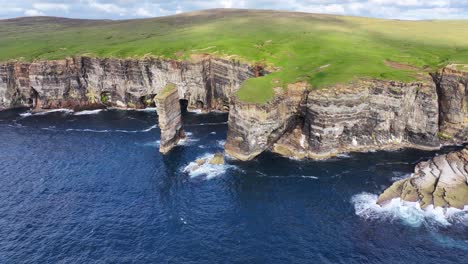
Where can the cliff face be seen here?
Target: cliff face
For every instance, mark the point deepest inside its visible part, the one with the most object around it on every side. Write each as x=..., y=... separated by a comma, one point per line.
x=441, y=182
x=299, y=122
x=363, y=116
x=452, y=89
x=254, y=128
x=374, y=115
x=86, y=82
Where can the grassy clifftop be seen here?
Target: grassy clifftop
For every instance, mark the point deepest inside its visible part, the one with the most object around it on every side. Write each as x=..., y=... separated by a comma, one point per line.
x=320, y=49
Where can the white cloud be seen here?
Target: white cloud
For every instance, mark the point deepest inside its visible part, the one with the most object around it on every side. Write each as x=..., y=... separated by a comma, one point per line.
x=107, y=7
x=33, y=12
x=142, y=12
x=50, y=7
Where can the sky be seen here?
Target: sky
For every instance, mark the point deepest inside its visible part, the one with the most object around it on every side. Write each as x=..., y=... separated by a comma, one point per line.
x=125, y=9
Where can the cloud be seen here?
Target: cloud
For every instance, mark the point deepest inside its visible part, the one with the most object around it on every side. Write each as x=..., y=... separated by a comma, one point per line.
x=33, y=12
x=123, y=9
x=50, y=7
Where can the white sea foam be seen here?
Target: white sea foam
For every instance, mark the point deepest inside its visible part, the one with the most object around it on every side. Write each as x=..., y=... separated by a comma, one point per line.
x=26, y=114
x=290, y=176
x=195, y=111
x=207, y=170
x=400, y=177
x=409, y=213
x=213, y=133
x=221, y=143
x=344, y=155
x=89, y=112
x=111, y=131
x=64, y=110
x=152, y=144
x=148, y=109
x=188, y=140
x=207, y=124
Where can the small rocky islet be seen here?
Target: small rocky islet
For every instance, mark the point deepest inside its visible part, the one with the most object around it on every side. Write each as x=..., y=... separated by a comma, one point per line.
x=440, y=182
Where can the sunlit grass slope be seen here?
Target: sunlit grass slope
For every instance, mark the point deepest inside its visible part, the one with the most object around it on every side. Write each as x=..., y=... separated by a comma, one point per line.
x=320, y=49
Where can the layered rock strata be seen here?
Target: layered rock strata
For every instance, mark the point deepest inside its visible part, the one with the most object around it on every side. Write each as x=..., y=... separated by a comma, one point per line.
x=253, y=128
x=452, y=90
x=366, y=115
x=169, y=118
x=85, y=82
x=441, y=182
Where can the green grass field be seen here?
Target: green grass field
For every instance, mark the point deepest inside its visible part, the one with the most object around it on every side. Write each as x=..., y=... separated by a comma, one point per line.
x=321, y=49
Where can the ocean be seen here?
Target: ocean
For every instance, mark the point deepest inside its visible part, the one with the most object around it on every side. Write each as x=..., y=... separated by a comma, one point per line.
x=91, y=187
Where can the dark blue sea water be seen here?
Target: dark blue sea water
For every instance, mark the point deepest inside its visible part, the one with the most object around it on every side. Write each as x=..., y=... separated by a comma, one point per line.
x=93, y=188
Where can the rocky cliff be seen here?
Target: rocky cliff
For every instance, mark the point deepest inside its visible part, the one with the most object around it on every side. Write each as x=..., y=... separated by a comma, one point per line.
x=452, y=90
x=361, y=116
x=254, y=128
x=84, y=82
x=441, y=182
x=365, y=115
x=299, y=122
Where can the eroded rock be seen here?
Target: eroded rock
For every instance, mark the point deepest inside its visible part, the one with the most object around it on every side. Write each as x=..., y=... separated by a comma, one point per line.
x=169, y=118
x=362, y=116
x=205, y=82
x=441, y=182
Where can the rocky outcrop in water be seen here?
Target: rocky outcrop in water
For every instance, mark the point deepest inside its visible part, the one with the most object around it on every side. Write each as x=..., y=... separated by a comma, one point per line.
x=441, y=182
x=85, y=82
x=169, y=118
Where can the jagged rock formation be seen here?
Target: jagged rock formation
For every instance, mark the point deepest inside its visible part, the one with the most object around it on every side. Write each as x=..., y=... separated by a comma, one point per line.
x=363, y=116
x=84, y=82
x=441, y=182
x=169, y=118
x=452, y=90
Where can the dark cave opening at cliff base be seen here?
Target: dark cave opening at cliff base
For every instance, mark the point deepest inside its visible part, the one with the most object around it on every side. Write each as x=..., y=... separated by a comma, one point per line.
x=183, y=105
x=34, y=95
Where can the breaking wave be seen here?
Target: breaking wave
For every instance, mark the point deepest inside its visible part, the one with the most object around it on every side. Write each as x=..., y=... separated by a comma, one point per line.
x=88, y=112
x=110, y=130
x=63, y=110
x=206, y=170
x=409, y=213
x=188, y=140
x=221, y=143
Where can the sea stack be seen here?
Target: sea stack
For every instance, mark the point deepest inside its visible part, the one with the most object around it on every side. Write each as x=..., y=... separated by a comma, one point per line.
x=441, y=182
x=169, y=118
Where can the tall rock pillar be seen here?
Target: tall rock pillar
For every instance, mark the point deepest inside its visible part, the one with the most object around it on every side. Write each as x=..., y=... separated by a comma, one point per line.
x=169, y=118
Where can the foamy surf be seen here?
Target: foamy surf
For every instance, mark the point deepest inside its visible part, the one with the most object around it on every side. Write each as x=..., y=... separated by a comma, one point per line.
x=89, y=112
x=111, y=131
x=207, y=170
x=188, y=140
x=409, y=213
x=195, y=111
x=63, y=110
x=221, y=143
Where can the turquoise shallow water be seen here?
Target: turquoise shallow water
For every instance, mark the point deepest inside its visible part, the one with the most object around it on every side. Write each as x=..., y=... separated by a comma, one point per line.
x=92, y=188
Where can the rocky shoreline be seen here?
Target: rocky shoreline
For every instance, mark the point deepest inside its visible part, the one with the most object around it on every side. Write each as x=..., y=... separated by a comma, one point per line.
x=440, y=182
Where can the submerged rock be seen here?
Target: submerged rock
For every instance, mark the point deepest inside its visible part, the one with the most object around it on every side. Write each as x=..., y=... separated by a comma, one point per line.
x=218, y=159
x=441, y=182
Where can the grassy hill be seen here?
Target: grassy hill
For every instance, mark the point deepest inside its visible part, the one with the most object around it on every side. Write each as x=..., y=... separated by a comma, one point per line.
x=321, y=49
